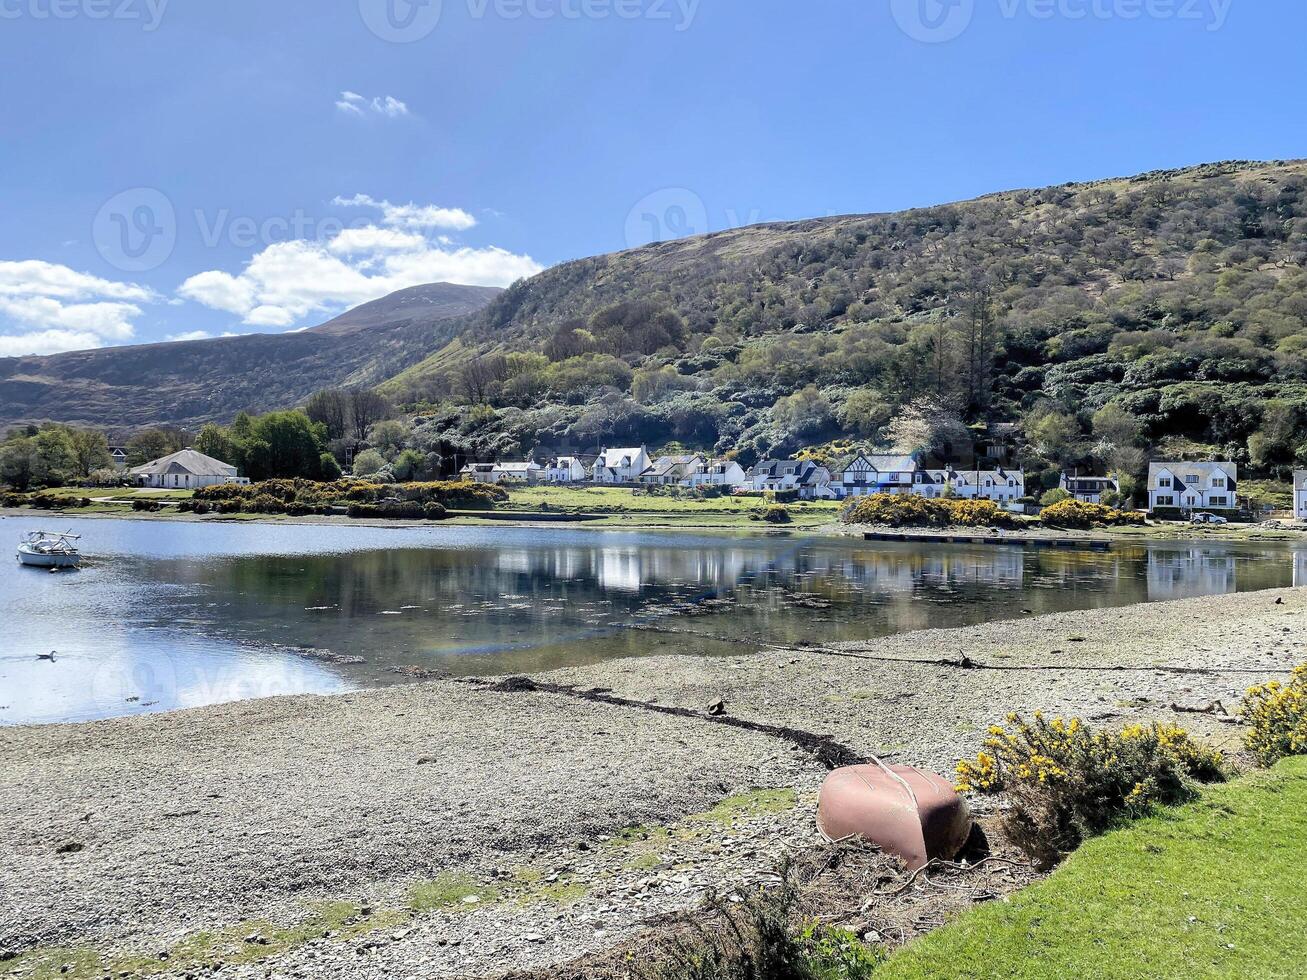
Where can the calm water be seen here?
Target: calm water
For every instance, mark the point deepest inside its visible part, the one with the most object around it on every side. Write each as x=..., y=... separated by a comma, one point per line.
x=177, y=615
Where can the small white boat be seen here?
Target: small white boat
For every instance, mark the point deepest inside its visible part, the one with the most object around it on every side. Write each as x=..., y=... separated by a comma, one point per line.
x=50, y=549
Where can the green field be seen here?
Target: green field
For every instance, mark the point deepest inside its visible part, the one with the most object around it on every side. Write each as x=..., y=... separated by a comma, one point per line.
x=1212, y=889
x=620, y=506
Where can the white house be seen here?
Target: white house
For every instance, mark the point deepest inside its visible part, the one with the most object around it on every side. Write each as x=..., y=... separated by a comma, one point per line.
x=1300, y=495
x=119, y=456
x=672, y=470
x=719, y=473
x=528, y=472
x=621, y=465
x=567, y=469
x=862, y=475
x=479, y=472
x=1089, y=489
x=186, y=470
x=783, y=475
x=1004, y=487
x=1193, y=486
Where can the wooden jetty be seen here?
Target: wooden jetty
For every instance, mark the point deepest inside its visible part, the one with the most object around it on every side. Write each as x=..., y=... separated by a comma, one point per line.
x=1085, y=544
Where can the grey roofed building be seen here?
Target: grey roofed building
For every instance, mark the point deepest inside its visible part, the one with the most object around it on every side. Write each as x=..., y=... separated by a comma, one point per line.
x=185, y=470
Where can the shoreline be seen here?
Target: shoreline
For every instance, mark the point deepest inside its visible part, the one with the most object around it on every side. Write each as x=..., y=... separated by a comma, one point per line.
x=652, y=521
x=129, y=835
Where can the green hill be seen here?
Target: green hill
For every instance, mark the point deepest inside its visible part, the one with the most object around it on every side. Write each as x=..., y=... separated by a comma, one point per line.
x=1176, y=298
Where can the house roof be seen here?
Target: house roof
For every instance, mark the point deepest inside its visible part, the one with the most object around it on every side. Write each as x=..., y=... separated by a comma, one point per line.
x=802, y=470
x=517, y=467
x=893, y=463
x=186, y=462
x=617, y=458
x=1089, y=482
x=1183, y=472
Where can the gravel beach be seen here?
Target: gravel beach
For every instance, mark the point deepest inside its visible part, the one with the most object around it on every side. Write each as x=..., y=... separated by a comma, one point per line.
x=463, y=829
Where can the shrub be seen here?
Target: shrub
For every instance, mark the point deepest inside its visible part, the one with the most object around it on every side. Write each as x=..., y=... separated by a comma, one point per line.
x=1064, y=782
x=308, y=496
x=1277, y=716
x=1054, y=496
x=148, y=506
x=1077, y=515
x=754, y=940
x=775, y=514
x=909, y=510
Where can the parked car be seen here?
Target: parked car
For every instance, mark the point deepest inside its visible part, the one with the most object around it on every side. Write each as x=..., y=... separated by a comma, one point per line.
x=1205, y=518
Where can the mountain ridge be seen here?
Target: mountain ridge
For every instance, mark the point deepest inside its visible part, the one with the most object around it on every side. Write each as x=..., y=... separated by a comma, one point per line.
x=191, y=382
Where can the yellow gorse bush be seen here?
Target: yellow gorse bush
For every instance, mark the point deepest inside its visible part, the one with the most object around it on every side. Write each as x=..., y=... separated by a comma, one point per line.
x=1076, y=514
x=1276, y=714
x=1064, y=782
x=907, y=510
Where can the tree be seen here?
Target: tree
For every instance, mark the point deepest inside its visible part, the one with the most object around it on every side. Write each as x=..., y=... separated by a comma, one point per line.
x=151, y=444
x=366, y=409
x=91, y=450
x=56, y=456
x=865, y=412
x=333, y=409
x=389, y=437
x=925, y=426
x=18, y=462
x=329, y=467
x=1054, y=496
x=409, y=465
x=1055, y=435
x=979, y=339
x=368, y=463
x=284, y=444
x=214, y=441
x=804, y=413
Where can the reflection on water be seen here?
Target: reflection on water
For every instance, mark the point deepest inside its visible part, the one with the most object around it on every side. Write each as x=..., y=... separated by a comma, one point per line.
x=177, y=615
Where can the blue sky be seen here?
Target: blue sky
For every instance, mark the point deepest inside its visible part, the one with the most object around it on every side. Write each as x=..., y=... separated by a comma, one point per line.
x=181, y=168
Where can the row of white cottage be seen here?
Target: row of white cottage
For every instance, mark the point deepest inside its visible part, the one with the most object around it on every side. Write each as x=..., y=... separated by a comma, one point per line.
x=856, y=476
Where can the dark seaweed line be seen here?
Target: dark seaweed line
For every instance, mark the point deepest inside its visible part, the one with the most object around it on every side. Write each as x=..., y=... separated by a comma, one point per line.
x=823, y=748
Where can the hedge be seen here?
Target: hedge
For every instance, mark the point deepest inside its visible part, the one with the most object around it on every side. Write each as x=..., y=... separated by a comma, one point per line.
x=894, y=510
x=407, y=501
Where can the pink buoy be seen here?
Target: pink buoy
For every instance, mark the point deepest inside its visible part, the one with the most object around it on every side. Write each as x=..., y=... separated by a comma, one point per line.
x=912, y=814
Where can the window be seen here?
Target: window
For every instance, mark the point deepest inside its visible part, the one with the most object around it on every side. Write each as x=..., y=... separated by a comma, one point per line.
x=1166, y=501
x=1219, y=501
x=1164, y=483
x=1218, y=482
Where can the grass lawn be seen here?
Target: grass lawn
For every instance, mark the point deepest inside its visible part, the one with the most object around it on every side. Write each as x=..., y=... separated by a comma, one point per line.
x=623, y=506
x=1213, y=889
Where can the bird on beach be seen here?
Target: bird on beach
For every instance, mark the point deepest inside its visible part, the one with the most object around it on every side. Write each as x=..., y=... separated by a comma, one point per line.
x=47, y=656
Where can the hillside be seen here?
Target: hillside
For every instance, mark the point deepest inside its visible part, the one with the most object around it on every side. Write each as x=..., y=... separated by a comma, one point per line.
x=193, y=382
x=1177, y=300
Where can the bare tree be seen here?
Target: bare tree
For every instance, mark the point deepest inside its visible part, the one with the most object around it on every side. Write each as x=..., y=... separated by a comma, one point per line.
x=367, y=408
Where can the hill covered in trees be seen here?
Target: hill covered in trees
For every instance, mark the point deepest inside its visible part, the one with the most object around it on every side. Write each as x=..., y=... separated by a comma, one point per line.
x=1115, y=318
x=192, y=382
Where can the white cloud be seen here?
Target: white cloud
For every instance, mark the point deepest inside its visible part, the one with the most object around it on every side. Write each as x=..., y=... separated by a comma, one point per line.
x=386, y=106
x=190, y=335
x=219, y=291
x=33, y=277
x=46, y=308
x=411, y=217
x=356, y=241
x=289, y=281
x=46, y=342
